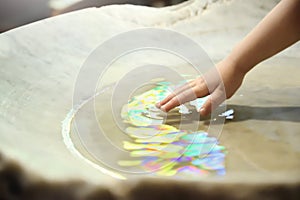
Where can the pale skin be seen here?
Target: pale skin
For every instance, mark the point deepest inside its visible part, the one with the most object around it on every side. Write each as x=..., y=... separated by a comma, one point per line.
x=277, y=31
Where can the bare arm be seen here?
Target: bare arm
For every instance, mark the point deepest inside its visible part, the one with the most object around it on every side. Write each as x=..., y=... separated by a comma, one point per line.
x=277, y=31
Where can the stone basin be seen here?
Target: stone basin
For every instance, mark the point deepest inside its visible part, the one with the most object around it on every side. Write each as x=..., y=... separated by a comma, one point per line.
x=40, y=63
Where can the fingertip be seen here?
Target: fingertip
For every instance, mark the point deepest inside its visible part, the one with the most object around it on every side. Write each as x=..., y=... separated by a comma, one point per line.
x=158, y=105
x=163, y=108
x=202, y=111
x=206, y=108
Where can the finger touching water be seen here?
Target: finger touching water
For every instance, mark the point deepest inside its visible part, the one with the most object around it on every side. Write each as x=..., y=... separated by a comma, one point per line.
x=188, y=92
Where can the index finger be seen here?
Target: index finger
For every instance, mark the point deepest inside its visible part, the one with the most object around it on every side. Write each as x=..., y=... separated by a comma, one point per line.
x=176, y=92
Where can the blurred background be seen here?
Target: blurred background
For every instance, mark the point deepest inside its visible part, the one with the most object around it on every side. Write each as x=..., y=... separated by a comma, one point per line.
x=14, y=13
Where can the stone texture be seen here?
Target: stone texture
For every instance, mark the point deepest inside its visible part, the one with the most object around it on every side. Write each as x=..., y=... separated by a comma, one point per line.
x=39, y=65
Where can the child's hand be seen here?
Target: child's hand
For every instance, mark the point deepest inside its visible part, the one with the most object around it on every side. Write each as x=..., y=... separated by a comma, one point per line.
x=220, y=83
x=278, y=30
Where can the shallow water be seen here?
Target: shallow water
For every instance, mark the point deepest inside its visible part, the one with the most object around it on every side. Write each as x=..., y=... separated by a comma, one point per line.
x=100, y=142
x=262, y=139
x=264, y=135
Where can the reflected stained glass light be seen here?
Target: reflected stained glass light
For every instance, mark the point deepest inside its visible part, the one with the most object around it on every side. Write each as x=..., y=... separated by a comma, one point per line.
x=163, y=149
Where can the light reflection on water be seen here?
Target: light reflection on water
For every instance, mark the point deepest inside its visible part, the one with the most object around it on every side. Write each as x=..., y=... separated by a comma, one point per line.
x=164, y=149
x=147, y=144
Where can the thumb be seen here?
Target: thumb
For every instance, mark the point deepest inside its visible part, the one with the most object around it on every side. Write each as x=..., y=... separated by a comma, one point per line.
x=206, y=107
x=214, y=100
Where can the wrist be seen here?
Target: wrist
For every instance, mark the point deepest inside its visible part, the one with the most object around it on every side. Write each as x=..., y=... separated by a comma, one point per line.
x=231, y=65
x=236, y=65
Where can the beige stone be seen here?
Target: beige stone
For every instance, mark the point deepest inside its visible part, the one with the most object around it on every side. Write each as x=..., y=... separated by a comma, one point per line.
x=39, y=66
